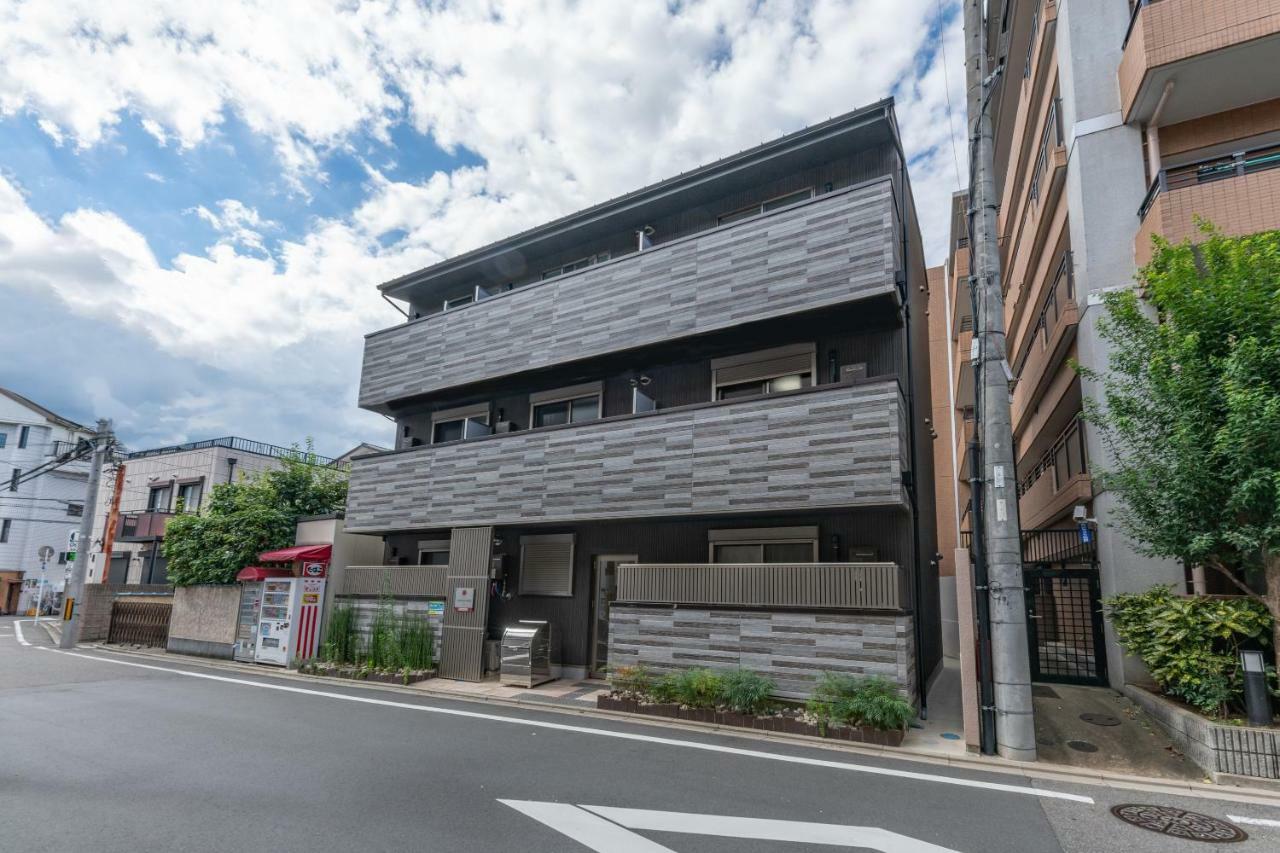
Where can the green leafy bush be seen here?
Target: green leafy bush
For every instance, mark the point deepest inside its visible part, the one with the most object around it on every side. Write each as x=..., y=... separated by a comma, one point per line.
x=635, y=681
x=745, y=691
x=874, y=702
x=341, y=636
x=666, y=689
x=1191, y=644
x=697, y=688
x=415, y=643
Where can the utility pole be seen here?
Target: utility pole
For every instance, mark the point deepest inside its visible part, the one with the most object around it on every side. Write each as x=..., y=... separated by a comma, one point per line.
x=1002, y=541
x=102, y=441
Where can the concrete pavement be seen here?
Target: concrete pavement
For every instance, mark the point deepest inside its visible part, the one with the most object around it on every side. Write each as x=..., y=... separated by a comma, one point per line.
x=157, y=755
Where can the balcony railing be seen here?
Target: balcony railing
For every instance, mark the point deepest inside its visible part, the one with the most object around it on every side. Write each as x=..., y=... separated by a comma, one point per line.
x=1208, y=170
x=1066, y=459
x=837, y=248
x=396, y=581
x=823, y=586
x=1050, y=139
x=834, y=446
x=1061, y=294
x=232, y=442
x=142, y=526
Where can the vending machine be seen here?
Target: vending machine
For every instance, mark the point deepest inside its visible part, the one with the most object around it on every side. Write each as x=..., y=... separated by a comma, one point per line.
x=289, y=620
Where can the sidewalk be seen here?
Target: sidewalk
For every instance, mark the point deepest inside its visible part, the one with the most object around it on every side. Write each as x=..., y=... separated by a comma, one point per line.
x=923, y=745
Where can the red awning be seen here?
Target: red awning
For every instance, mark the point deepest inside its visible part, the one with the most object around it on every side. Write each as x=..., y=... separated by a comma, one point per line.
x=258, y=573
x=297, y=552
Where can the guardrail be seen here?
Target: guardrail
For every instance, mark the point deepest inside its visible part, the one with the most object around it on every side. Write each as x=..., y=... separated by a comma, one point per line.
x=396, y=581
x=1210, y=169
x=826, y=586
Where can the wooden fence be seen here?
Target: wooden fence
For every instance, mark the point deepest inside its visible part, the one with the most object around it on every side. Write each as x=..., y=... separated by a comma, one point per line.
x=140, y=621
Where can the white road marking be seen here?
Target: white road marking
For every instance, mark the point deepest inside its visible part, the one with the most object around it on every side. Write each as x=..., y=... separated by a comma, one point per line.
x=544, y=724
x=725, y=826
x=1255, y=821
x=590, y=831
x=17, y=629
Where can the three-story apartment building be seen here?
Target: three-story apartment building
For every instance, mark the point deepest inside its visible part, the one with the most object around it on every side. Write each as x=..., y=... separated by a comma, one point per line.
x=722, y=378
x=1114, y=121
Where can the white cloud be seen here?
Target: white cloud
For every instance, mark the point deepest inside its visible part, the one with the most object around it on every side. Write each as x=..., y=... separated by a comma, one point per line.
x=566, y=104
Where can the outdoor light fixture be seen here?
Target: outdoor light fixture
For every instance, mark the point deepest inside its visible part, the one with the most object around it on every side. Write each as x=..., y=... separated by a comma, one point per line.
x=1256, y=700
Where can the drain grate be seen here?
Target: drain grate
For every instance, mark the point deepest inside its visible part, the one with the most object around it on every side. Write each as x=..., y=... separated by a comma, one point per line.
x=1177, y=823
x=1082, y=746
x=1100, y=719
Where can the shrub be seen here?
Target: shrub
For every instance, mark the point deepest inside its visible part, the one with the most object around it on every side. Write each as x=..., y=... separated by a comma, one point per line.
x=697, y=688
x=1191, y=644
x=745, y=691
x=635, y=681
x=874, y=702
x=341, y=637
x=415, y=643
x=666, y=689
x=381, y=651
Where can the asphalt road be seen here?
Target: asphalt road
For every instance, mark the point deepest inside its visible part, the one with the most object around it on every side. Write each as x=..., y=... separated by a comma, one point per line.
x=109, y=752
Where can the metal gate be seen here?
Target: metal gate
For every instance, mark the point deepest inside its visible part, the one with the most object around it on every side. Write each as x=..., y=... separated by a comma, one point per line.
x=1064, y=608
x=140, y=621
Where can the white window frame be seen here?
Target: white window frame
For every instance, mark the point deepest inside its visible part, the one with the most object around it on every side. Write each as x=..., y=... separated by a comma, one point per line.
x=548, y=538
x=560, y=395
x=756, y=209
x=718, y=364
x=478, y=412
x=762, y=536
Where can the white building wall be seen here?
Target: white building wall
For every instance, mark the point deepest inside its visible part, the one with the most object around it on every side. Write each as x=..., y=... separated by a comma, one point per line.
x=38, y=511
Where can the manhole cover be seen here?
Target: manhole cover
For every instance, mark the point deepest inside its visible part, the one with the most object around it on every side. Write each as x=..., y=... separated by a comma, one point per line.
x=1180, y=824
x=1101, y=719
x=1082, y=746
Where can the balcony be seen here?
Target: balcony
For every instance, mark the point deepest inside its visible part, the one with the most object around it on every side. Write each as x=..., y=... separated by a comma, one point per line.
x=834, y=446
x=837, y=248
x=823, y=586
x=1236, y=193
x=1051, y=338
x=1188, y=58
x=1058, y=481
x=142, y=526
x=396, y=581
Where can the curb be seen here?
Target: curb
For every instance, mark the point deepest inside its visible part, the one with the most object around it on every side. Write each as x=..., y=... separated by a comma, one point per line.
x=992, y=764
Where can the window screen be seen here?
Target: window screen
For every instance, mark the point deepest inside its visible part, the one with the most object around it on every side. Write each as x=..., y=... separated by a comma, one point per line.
x=546, y=565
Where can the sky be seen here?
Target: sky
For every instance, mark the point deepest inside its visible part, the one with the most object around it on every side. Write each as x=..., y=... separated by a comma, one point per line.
x=197, y=200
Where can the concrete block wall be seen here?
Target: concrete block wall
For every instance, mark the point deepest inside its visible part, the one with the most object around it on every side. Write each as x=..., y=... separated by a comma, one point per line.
x=792, y=648
x=203, y=621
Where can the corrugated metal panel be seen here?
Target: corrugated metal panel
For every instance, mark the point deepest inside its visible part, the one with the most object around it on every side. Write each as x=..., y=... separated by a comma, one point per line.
x=463, y=644
x=835, y=586
x=394, y=580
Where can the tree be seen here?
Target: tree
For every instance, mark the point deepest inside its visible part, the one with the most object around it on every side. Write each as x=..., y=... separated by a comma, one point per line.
x=1191, y=412
x=250, y=516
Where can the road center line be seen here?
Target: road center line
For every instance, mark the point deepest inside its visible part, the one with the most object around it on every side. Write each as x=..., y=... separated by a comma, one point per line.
x=543, y=724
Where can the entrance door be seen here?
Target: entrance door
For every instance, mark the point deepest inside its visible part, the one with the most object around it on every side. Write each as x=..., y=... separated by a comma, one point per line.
x=1064, y=625
x=606, y=590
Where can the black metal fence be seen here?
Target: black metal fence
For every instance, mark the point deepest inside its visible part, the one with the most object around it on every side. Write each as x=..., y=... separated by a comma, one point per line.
x=1051, y=546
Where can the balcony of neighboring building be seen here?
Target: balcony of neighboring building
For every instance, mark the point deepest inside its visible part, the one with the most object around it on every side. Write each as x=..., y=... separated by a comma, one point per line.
x=842, y=444
x=1033, y=214
x=813, y=252
x=1052, y=482
x=145, y=526
x=1235, y=192
x=1189, y=58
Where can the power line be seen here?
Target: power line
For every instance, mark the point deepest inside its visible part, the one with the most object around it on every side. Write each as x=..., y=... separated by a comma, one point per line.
x=946, y=82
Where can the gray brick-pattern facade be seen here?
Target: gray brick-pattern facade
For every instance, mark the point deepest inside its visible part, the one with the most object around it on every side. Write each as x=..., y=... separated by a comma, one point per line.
x=792, y=648
x=840, y=447
x=837, y=248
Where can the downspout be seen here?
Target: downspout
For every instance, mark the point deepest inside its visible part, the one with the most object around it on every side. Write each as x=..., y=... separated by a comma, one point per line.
x=916, y=628
x=231, y=468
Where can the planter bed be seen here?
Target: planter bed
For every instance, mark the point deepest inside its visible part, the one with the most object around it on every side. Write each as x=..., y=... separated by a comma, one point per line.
x=355, y=673
x=787, y=723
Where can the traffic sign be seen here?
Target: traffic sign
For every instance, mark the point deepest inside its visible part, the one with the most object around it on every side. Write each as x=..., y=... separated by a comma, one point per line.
x=46, y=553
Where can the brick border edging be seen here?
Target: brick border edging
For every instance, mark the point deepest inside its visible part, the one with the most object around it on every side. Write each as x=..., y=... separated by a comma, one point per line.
x=1209, y=744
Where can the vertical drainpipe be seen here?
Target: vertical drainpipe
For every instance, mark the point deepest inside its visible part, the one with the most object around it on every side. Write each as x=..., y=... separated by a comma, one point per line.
x=916, y=629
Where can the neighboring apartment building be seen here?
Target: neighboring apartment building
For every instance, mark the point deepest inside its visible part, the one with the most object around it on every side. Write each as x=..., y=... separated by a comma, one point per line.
x=140, y=492
x=43, y=510
x=706, y=391
x=1113, y=122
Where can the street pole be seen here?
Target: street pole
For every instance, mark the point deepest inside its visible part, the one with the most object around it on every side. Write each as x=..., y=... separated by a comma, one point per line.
x=1010, y=659
x=102, y=441
x=44, y=563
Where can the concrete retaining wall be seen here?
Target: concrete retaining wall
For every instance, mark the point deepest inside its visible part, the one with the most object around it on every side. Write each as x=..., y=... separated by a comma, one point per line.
x=792, y=648
x=95, y=607
x=204, y=620
x=1221, y=751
